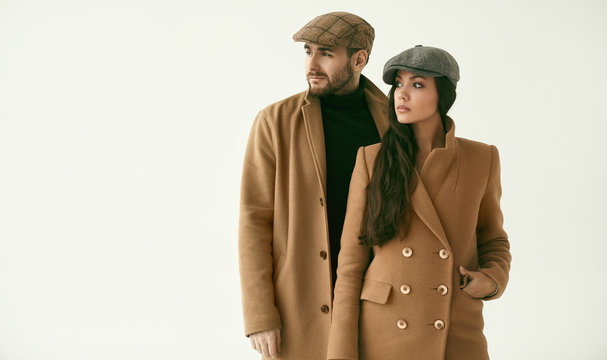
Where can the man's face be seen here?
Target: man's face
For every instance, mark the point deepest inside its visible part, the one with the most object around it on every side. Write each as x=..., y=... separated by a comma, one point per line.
x=328, y=70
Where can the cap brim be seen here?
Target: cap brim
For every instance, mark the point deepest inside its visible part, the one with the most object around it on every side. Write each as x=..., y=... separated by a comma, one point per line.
x=390, y=73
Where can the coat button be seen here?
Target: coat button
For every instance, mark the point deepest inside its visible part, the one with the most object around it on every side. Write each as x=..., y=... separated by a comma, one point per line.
x=407, y=252
x=442, y=289
x=324, y=309
x=323, y=255
x=402, y=324
x=405, y=289
x=439, y=325
x=443, y=253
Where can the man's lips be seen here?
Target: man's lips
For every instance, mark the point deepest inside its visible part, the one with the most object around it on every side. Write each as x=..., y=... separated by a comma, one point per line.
x=316, y=76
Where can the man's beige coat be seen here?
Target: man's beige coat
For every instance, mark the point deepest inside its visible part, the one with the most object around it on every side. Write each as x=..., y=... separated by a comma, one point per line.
x=403, y=300
x=283, y=242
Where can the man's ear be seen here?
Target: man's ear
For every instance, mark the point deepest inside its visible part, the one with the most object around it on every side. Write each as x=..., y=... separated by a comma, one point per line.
x=359, y=59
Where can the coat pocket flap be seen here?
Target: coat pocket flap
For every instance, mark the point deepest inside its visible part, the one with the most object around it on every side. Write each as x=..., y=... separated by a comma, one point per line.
x=375, y=291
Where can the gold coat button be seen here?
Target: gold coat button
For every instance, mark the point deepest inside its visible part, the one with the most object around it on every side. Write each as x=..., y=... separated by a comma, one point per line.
x=407, y=252
x=405, y=289
x=443, y=290
x=402, y=324
x=443, y=253
x=439, y=324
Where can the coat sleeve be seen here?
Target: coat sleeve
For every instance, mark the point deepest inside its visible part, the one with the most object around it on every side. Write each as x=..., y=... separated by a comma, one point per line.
x=492, y=241
x=353, y=262
x=255, y=232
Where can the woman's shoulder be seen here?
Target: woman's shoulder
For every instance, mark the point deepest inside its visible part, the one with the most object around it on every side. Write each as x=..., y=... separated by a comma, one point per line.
x=474, y=146
x=366, y=156
x=370, y=152
x=372, y=149
x=477, y=152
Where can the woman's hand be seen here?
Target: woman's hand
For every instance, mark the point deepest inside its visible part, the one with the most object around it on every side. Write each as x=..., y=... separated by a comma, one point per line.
x=477, y=284
x=267, y=343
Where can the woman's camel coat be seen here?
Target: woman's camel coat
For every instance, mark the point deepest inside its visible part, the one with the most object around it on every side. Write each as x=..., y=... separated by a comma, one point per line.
x=403, y=300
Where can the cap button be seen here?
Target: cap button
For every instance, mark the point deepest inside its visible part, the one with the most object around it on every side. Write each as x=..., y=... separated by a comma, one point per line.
x=419, y=45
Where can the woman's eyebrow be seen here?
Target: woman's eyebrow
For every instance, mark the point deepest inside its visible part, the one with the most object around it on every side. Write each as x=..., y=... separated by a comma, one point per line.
x=412, y=77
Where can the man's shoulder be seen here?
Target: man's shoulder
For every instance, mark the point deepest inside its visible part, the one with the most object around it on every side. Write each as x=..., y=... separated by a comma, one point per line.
x=285, y=106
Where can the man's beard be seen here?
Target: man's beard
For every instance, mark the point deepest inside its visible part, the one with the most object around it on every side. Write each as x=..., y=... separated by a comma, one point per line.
x=338, y=82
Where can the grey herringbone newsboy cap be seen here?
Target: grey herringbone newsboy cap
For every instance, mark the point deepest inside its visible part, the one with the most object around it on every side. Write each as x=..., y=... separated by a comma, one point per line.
x=425, y=61
x=338, y=29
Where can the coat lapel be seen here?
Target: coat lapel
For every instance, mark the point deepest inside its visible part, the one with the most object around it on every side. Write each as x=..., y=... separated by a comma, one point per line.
x=442, y=172
x=439, y=176
x=312, y=115
x=424, y=208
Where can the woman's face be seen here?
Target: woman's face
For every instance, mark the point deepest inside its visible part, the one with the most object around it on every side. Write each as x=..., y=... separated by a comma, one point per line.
x=415, y=98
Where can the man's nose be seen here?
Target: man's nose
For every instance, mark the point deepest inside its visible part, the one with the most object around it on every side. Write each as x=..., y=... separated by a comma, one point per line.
x=312, y=63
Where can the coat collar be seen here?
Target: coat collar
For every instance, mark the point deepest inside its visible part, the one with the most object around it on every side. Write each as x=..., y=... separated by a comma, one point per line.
x=378, y=106
x=450, y=141
x=312, y=114
x=441, y=170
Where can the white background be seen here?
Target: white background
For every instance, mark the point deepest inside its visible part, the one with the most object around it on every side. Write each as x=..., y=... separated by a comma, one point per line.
x=122, y=133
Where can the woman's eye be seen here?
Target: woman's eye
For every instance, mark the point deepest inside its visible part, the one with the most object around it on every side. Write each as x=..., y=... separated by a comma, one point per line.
x=417, y=85
x=398, y=84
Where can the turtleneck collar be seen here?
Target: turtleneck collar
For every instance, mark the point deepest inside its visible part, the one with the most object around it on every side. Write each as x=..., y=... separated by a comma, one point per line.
x=348, y=102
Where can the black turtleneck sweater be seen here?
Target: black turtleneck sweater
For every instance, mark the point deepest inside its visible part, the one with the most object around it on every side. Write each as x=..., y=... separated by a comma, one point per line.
x=348, y=125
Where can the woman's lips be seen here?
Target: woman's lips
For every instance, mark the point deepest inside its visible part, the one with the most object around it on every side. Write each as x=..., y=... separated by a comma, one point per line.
x=402, y=108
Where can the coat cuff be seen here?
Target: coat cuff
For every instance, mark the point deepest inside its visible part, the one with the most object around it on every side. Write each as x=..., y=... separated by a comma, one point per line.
x=498, y=275
x=272, y=322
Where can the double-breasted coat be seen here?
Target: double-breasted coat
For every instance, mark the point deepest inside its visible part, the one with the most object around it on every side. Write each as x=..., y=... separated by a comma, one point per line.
x=283, y=242
x=403, y=300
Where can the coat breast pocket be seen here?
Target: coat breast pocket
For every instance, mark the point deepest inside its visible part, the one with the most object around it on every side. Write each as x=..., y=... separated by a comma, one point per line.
x=375, y=291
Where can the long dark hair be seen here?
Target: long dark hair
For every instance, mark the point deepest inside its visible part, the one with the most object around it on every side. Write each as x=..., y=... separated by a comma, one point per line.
x=388, y=209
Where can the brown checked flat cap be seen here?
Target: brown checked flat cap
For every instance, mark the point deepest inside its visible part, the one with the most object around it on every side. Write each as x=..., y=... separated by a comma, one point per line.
x=338, y=29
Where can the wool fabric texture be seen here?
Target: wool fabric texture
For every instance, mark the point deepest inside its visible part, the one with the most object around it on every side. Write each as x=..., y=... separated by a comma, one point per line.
x=403, y=300
x=338, y=29
x=425, y=61
x=283, y=241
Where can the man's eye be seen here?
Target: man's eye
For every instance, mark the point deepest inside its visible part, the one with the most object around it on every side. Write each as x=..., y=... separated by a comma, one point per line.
x=326, y=54
x=398, y=84
x=308, y=52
